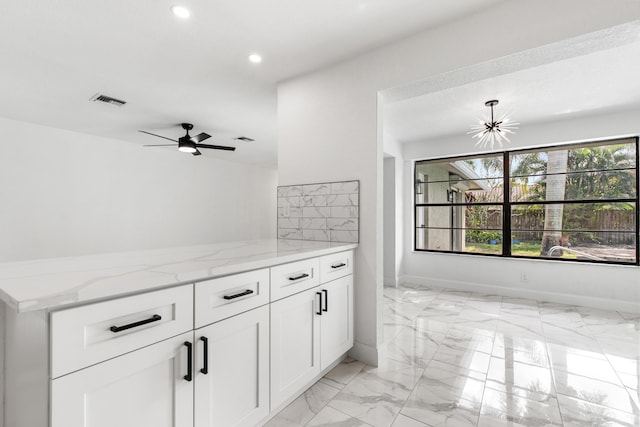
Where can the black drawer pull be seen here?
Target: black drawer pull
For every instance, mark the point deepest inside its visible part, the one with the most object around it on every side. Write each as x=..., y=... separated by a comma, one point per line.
x=342, y=264
x=319, y=312
x=326, y=300
x=241, y=294
x=152, y=319
x=189, y=375
x=302, y=276
x=205, y=355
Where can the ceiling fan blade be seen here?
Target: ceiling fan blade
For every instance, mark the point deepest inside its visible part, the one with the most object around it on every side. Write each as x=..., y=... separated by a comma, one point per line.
x=197, y=153
x=160, y=145
x=216, y=147
x=159, y=136
x=200, y=137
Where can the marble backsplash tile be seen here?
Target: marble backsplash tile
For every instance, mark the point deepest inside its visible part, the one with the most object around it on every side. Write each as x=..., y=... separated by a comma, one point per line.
x=323, y=212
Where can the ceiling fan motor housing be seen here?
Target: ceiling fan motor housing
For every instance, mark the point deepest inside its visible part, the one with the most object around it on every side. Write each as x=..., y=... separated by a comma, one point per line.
x=186, y=144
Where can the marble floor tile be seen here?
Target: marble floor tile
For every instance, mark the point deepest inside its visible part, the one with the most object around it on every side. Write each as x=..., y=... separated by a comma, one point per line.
x=594, y=391
x=391, y=330
x=376, y=395
x=531, y=378
x=460, y=330
x=533, y=331
x=426, y=324
x=413, y=347
x=463, y=357
x=342, y=374
x=469, y=313
x=330, y=417
x=583, y=365
x=512, y=410
x=452, y=381
x=534, y=355
x=595, y=316
x=305, y=407
x=466, y=338
x=404, y=421
x=576, y=339
x=630, y=316
x=569, y=349
x=453, y=401
x=548, y=307
x=459, y=359
x=626, y=348
x=484, y=306
x=563, y=318
x=576, y=412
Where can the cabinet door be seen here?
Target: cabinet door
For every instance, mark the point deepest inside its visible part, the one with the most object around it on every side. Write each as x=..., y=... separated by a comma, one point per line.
x=232, y=387
x=142, y=388
x=336, y=326
x=295, y=344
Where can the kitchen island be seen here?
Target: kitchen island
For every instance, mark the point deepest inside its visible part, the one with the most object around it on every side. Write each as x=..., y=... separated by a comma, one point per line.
x=220, y=334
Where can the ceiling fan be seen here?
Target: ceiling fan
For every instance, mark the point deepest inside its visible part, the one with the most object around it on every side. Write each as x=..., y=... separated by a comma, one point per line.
x=188, y=143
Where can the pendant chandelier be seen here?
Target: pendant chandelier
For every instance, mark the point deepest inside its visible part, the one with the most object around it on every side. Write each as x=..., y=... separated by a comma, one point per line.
x=490, y=133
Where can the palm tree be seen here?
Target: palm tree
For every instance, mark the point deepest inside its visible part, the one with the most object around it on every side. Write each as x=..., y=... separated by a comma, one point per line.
x=555, y=189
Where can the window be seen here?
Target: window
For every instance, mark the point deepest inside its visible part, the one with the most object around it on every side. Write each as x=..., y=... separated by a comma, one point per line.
x=577, y=202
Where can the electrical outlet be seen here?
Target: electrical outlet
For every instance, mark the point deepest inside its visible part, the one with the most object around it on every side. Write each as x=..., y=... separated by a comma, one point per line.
x=524, y=278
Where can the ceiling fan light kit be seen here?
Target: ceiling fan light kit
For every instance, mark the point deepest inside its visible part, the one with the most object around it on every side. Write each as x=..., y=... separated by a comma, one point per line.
x=493, y=132
x=188, y=143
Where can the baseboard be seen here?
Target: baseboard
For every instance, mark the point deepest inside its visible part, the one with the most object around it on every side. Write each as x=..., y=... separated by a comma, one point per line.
x=390, y=281
x=559, y=297
x=365, y=353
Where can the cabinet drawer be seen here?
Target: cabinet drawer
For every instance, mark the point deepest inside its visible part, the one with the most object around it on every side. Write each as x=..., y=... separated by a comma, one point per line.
x=92, y=333
x=289, y=279
x=224, y=297
x=335, y=266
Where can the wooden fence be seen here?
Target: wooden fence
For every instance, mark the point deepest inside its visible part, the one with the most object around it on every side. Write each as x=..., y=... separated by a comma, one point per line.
x=606, y=227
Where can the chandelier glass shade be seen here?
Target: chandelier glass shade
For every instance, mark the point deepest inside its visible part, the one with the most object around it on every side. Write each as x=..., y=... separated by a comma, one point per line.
x=495, y=131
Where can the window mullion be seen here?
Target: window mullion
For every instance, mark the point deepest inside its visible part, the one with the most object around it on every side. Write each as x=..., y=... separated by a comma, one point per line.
x=506, y=206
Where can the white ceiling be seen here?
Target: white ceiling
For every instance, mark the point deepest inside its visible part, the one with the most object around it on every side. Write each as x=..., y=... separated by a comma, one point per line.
x=57, y=54
x=585, y=85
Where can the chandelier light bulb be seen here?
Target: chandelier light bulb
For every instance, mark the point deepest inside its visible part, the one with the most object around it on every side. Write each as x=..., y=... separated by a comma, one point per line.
x=495, y=131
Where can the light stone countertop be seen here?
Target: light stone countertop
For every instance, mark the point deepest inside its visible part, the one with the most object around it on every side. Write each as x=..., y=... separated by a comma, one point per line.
x=54, y=282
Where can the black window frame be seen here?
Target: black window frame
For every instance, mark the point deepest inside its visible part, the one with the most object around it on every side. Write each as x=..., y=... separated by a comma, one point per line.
x=507, y=204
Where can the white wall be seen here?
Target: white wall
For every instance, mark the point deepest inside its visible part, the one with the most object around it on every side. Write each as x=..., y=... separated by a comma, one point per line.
x=2, y=340
x=328, y=120
x=605, y=286
x=65, y=193
x=393, y=250
x=389, y=222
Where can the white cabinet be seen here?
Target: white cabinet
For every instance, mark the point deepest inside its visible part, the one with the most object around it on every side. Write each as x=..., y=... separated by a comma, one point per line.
x=142, y=388
x=336, y=322
x=86, y=335
x=295, y=344
x=224, y=352
x=232, y=382
x=310, y=330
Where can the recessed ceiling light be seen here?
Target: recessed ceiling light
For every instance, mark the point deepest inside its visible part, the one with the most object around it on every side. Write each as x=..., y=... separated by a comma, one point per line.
x=180, y=11
x=255, y=58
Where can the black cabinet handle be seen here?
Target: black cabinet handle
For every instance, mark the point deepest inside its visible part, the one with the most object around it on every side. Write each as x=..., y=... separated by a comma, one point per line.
x=302, y=276
x=241, y=294
x=205, y=355
x=153, y=318
x=189, y=375
x=326, y=300
x=319, y=312
x=342, y=264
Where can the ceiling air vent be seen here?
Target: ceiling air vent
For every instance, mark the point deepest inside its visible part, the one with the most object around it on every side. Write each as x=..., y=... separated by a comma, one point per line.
x=107, y=99
x=244, y=138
